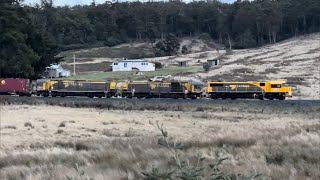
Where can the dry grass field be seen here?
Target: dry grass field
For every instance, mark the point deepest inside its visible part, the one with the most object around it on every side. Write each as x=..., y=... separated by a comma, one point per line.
x=48, y=142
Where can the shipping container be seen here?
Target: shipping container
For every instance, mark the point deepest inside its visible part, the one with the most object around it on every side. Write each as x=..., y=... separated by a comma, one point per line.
x=20, y=87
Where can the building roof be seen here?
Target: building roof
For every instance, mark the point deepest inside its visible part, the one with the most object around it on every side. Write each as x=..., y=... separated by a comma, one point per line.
x=133, y=60
x=54, y=66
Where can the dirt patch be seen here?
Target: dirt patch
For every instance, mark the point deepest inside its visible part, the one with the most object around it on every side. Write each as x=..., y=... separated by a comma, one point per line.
x=242, y=71
x=104, y=66
x=296, y=81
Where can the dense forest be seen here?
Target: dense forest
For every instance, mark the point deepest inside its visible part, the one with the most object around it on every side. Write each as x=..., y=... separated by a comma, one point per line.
x=246, y=23
x=31, y=37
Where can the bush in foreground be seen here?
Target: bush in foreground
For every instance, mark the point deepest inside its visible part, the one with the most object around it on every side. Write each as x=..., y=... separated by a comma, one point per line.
x=190, y=169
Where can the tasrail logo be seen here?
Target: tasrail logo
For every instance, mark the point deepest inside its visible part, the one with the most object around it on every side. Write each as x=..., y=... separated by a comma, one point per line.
x=233, y=86
x=238, y=86
x=3, y=82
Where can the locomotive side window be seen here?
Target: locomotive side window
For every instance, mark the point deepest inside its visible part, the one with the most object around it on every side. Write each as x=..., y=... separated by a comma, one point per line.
x=216, y=85
x=262, y=84
x=275, y=85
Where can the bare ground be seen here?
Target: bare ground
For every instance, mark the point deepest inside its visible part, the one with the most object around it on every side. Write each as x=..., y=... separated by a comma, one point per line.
x=45, y=142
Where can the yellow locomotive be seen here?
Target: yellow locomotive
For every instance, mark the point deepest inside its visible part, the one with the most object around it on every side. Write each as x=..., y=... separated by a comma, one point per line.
x=161, y=90
x=43, y=87
x=275, y=90
x=83, y=88
x=250, y=90
x=165, y=89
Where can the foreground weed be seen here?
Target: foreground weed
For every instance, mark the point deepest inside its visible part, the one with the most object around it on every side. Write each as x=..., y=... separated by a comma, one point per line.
x=80, y=174
x=186, y=169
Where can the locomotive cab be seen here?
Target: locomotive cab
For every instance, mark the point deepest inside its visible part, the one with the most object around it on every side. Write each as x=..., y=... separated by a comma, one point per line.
x=276, y=90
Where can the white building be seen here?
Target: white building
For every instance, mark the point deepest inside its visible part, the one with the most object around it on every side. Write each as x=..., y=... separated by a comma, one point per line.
x=131, y=65
x=55, y=71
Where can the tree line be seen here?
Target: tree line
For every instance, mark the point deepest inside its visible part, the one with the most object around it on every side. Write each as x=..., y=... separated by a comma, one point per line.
x=25, y=48
x=32, y=37
x=245, y=23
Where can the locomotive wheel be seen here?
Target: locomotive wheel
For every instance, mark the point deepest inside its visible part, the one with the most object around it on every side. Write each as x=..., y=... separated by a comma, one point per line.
x=214, y=96
x=260, y=96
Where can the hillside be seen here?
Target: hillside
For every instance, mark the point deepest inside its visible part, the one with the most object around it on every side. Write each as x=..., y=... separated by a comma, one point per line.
x=295, y=60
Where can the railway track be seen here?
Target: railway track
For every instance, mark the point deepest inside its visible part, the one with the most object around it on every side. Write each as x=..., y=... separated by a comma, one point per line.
x=289, y=106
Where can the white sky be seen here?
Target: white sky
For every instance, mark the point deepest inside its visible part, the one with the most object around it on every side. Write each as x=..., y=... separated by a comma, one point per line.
x=75, y=2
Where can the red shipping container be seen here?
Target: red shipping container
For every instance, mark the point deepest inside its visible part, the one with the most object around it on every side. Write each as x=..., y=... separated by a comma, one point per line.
x=15, y=86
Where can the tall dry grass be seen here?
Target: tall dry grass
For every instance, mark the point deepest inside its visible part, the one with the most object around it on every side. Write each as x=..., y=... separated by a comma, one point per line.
x=279, y=153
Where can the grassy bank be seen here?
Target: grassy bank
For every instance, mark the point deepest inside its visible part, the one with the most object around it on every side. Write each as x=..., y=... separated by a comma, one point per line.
x=48, y=142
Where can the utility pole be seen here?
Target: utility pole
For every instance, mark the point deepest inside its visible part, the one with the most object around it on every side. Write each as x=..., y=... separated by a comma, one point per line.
x=74, y=64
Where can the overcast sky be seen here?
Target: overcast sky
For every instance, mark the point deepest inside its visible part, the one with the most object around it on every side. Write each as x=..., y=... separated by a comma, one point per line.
x=74, y=2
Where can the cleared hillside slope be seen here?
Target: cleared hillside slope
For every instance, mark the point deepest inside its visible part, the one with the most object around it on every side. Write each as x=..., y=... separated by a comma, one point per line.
x=296, y=61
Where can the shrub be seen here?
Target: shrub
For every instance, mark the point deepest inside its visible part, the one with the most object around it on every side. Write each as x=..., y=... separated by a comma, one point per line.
x=10, y=127
x=112, y=41
x=206, y=67
x=59, y=131
x=168, y=47
x=28, y=124
x=80, y=174
x=205, y=37
x=160, y=49
x=229, y=52
x=185, y=50
x=158, y=65
x=62, y=124
x=187, y=169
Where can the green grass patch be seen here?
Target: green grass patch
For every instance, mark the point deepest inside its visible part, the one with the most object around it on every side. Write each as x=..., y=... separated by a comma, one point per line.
x=102, y=76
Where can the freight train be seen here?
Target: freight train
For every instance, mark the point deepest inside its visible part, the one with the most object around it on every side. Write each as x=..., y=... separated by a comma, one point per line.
x=146, y=89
